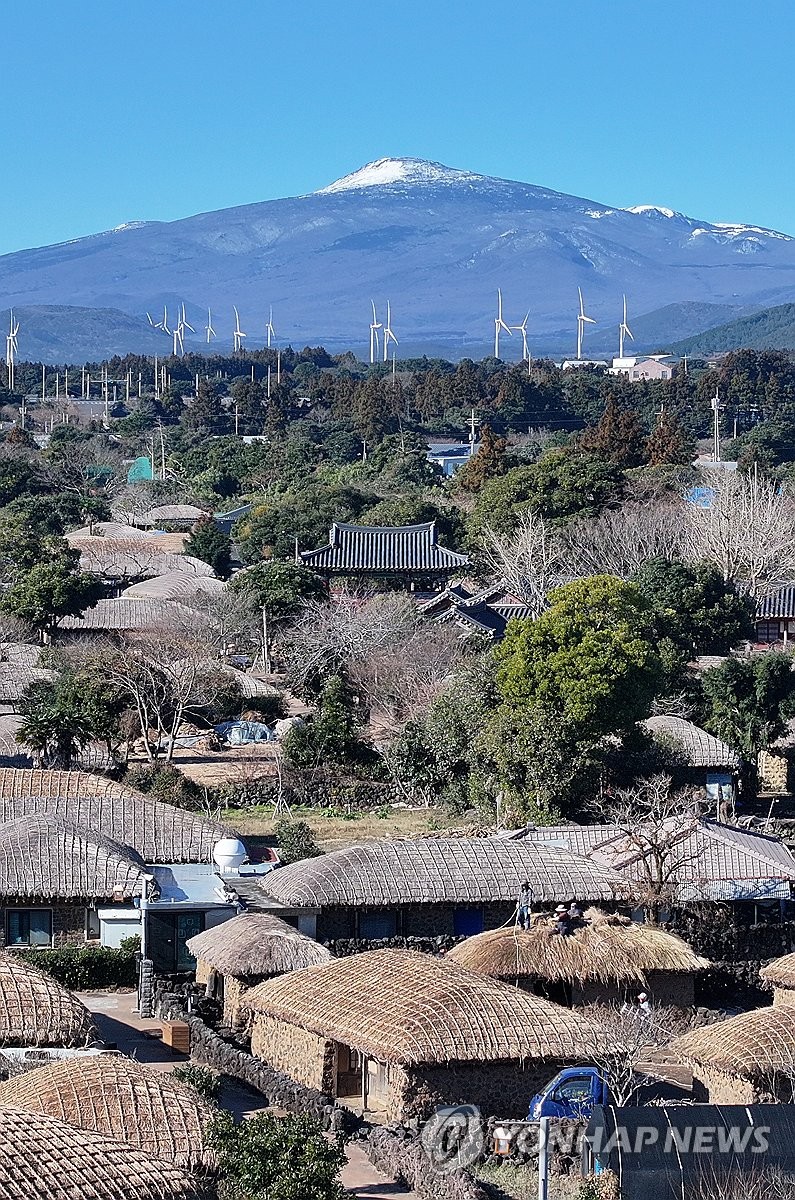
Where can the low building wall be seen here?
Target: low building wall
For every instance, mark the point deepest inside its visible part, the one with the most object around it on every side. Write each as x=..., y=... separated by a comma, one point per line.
x=496, y=1088
x=306, y=1057
x=68, y=922
x=711, y=1086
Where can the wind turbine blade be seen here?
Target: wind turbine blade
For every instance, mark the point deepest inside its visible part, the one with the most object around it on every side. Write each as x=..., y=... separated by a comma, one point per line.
x=629, y=333
x=590, y=320
x=582, y=307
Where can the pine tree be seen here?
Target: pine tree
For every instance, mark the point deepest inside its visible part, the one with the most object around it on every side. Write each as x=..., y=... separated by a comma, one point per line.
x=667, y=444
x=209, y=544
x=205, y=412
x=617, y=437
x=488, y=463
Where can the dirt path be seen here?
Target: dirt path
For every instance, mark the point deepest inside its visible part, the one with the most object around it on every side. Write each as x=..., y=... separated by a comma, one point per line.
x=121, y=1027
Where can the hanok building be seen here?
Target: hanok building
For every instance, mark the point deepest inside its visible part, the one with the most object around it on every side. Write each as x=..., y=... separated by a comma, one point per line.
x=775, y=617
x=409, y=554
x=705, y=861
x=429, y=887
x=399, y=1033
x=484, y=611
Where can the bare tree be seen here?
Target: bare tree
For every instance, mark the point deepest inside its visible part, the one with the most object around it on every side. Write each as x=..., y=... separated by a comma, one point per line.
x=654, y=842
x=624, y=1043
x=531, y=559
x=747, y=530
x=620, y=540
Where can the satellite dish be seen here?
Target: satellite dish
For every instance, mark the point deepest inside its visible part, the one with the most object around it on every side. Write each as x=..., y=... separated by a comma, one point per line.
x=228, y=854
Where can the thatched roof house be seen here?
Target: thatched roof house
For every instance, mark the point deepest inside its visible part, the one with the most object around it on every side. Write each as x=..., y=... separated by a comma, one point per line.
x=749, y=1059
x=19, y=667
x=701, y=750
x=602, y=957
x=238, y=954
x=159, y=833
x=36, y=1011
x=123, y=1099
x=174, y=586
x=432, y=886
x=780, y=975
x=42, y=1157
x=400, y=1032
x=44, y=856
x=123, y=559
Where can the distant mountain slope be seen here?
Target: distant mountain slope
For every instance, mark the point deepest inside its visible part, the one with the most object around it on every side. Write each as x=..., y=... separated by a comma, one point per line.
x=770, y=329
x=434, y=241
x=56, y=333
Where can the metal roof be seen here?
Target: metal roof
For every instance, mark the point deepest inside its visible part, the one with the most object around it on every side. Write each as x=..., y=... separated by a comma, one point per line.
x=384, y=549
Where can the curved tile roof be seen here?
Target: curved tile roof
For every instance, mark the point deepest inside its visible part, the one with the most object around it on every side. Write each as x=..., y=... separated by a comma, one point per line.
x=384, y=549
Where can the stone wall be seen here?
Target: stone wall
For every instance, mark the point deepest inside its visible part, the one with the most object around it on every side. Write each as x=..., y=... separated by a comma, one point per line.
x=306, y=1057
x=496, y=1088
x=675, y=989
x=412, y=920
x=344, y=947
x=279, y=1090
x=401, y=1157
x=711, y=1086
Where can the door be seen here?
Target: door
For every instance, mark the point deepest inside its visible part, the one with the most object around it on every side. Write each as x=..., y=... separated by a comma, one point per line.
x=166, y=935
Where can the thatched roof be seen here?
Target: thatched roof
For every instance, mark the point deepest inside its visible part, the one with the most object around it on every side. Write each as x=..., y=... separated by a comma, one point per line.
x=173, y=512
x=123, y=1099
x=755, y=1045
x=603, y=949
x=19, y=667
x=36, y=1011
x=452, y=871
x=700, y=748
x=401, y=1006
x=123, y=614
x=780, y=972
x=41, y=1157
x=159, y=833
x=44, y=856
x=173, y=586
x=256, y=944
x=133, y=557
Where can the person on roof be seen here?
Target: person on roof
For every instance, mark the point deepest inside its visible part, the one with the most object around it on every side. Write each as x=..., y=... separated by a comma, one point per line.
x=562, y=920
x=524, y=905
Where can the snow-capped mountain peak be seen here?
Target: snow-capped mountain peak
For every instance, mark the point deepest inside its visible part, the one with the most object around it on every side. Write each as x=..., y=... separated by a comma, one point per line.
x=656, y=210
x=383, y=172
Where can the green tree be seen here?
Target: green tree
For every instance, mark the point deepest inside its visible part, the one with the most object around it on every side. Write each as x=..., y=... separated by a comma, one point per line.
x=565, y=483
x=211, y=545
x=331, y=736
x=204, y=414
x=64, y=716
x=295, y=840
x=617, y=437
x=748, y=701
x=667, y=444
x=587, y=661
x=488, y=463
x=279, y=587
x=695, y=607
x=49, y=591
x=277, y=1158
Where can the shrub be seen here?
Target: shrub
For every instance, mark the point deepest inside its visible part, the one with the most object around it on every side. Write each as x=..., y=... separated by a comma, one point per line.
x=295, y=840
x=164, y=782
x=277, y=1158
x=206, y=1082
x=88, y=968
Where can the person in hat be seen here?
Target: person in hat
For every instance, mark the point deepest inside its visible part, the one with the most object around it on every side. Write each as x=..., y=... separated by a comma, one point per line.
x=643, y=1003
x=562, y=920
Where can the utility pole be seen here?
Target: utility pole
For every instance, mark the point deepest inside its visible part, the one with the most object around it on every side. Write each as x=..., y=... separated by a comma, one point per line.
x=473, y=423
x=43, y=381
x=237, y=421
x=716, y=409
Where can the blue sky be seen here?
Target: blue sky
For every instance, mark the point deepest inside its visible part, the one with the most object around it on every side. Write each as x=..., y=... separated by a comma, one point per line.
x=126, y=109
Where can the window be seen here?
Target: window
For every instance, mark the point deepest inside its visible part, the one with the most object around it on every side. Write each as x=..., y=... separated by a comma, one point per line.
x=375, y=926
x=28, y=927
x=574, y=1091
x=93, y=930
x=768, y=632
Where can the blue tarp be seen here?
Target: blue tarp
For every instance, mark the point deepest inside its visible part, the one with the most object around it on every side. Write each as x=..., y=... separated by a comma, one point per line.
x=242, y=733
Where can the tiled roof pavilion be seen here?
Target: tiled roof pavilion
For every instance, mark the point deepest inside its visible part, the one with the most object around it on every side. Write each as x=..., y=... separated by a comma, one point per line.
x=384, y=550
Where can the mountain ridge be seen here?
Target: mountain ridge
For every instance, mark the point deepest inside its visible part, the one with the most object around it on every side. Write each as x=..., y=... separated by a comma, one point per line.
x=435, y=241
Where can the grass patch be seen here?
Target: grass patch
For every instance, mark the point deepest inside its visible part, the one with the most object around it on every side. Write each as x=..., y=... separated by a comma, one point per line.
x=333, y=830
x=517, y=1182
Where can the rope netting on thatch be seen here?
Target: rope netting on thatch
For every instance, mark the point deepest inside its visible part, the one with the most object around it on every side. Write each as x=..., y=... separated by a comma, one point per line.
x=121, y=1098
x=401, y=1006
x=36, y=1011
x=454, y=870
x=780, y=972
x=755, y=1045
x=256, y=944
x=41, y=1157
x=159, y=833
x=602, y=948
x=45, y=856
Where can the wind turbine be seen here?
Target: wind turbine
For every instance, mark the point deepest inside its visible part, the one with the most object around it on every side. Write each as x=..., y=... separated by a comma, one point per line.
x=182, y=325
x=388, y=334
x=523, y=330
x=208, y=329
x=624, y=331
x=499, y=324
x=582, y=321
x=270, y=332
x=375, y=325
x=154, y=324
x=237, y=334
x=11, y=350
